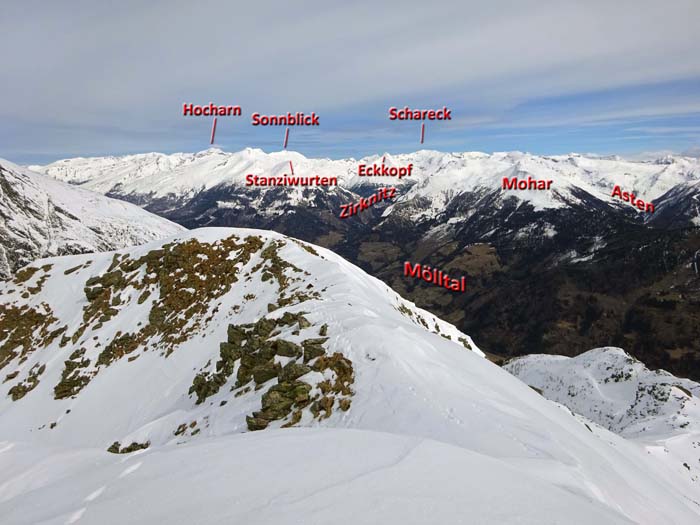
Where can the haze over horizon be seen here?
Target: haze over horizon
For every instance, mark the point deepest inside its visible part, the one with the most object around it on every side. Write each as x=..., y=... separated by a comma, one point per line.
x=543, y=77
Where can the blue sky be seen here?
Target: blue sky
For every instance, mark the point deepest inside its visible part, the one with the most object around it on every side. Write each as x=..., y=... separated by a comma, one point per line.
x=543, y=76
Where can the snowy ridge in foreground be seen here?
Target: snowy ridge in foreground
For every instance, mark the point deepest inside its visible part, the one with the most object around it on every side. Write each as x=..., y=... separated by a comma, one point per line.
x=168, y=355
x=41, y=217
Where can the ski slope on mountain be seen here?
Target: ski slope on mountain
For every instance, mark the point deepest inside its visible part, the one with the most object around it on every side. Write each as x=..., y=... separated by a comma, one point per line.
x=148, y=368
x=437, y=177
x=40, y=216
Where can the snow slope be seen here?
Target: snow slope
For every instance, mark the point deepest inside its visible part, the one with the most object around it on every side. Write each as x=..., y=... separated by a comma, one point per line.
x=608, y=386
x=40, y=216
x=183, y=346
x=310, y=476
x=437, y=177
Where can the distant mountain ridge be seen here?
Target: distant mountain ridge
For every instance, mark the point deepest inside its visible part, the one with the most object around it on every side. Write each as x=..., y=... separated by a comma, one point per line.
x=438, y=177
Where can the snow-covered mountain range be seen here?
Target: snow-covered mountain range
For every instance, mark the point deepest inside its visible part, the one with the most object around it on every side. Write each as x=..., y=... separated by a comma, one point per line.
x=436, y=179
x=40, y=217
x=557, y=271
x=133, y=380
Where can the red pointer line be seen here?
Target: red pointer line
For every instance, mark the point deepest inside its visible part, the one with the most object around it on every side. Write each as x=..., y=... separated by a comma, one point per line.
x=422, y=133
x=213, y=131
x=286, y=138
x=291, y=167
x=383, y=159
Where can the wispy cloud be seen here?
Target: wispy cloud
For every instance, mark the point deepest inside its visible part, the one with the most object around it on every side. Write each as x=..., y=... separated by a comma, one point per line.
x=695, y=130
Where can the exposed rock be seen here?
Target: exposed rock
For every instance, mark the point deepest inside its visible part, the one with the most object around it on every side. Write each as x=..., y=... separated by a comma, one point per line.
x=286, y=348
x=264, y=372
x=256, y=423
x=115, y=448
x=293, y=371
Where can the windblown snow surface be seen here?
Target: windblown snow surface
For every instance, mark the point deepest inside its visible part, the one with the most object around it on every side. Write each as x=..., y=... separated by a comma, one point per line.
x=41, y=217
x=370, y=410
